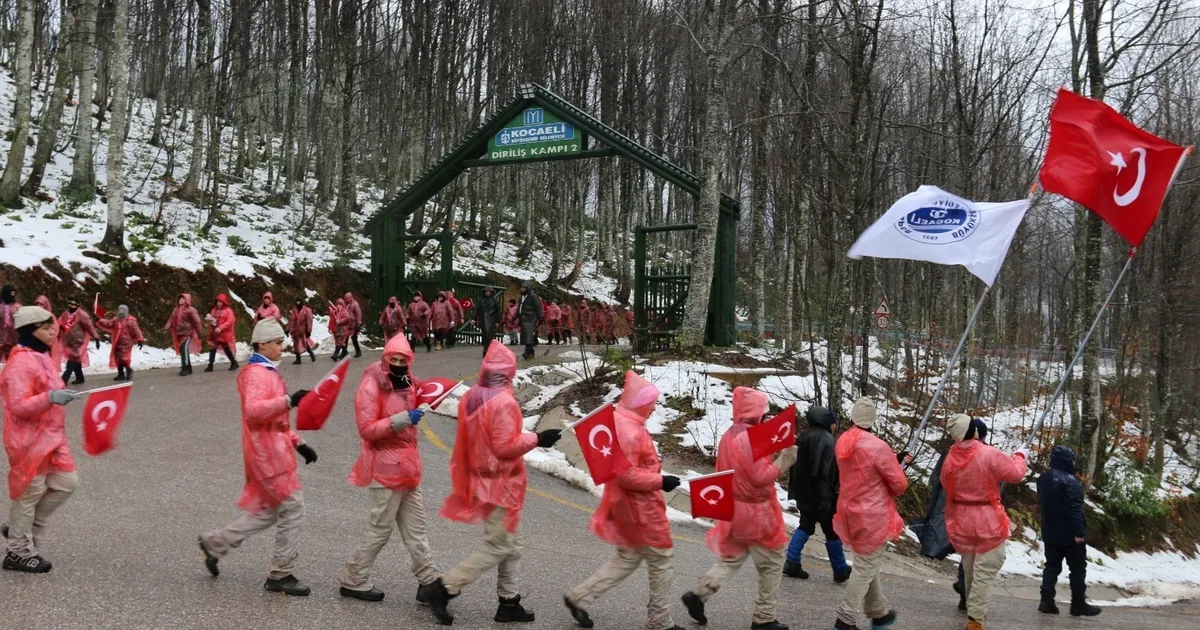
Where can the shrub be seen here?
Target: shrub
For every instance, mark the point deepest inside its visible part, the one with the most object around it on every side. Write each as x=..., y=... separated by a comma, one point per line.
x=239, y=245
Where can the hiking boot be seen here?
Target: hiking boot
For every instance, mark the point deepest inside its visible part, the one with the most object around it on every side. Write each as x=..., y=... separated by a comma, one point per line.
x=233, y=366
x=372, y=595
x=1048, y=606
x=1080, y=608
x=436, y=595
x=210, y=561
x=695, y=607
x=838, y=624
x=128, y=374
x=578, y=614
x=768, y=625
x=298, y=361
x=512, y=610
x=357, y=353
x=974, y=625
x=32, y=564
x=841, y=576
x=4, y=531
x=312, y=356
x=884, y=621
x=79, y=381
x=209, y=368
x=183, y=371
x=794, y=570
x=288, y=585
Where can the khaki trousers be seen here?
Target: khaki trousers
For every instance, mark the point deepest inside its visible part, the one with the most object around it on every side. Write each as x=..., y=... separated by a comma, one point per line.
x=980, y=571
x=288, y=516
x=768, y=562
x=28, y=514
x=863, y=592
x=500, y=549
x=400, y=510
x=660, y=563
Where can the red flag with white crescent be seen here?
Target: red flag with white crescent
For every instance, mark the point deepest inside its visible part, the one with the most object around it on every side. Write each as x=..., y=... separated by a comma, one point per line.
x=597, y=435
x=314, y=409
x=773, y=435
x=102, y=415
x=435, y=390
x=96, y=308
x=712, y=496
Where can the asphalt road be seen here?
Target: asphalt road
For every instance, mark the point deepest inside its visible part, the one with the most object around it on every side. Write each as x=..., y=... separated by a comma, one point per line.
x=125, y=554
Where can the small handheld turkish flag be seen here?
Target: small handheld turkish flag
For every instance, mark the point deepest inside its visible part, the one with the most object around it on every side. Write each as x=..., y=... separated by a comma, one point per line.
x=96, y=308
x=102, y=415
x=597, y=435
x=1106, y=163
x=467, y=303
x=712, y=496
x=435, y=390
x=773, y=435
x=314, y=409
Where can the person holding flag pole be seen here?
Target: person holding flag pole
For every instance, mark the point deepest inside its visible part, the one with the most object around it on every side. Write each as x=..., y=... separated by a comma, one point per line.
x=757, y=529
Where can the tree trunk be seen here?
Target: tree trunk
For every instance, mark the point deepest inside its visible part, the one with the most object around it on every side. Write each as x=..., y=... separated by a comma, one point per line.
x=200, y=101
x=10, y=183
x=52, y=118
x=118, y=59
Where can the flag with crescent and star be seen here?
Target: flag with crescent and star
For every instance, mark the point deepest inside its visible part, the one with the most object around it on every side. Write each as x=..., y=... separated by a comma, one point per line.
x=712, y=496
x=102, y=415
x=1098, y=158
x=314, y=409
x=597, y=435
x=435, y=390
x=773, y=435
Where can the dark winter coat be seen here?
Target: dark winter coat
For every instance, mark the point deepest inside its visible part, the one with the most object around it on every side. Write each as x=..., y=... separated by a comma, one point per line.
x=931, y=530
x=1060, y=498
x=529, y=310
x=487, y=313
x=814, y=483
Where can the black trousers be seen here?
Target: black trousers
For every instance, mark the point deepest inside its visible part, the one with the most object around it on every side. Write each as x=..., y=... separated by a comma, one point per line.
x=489, y=333
x=1076, y=557
x=185, y=358
x=810, y=520
x=354, y=338
x=212, y=354
x=76, y=368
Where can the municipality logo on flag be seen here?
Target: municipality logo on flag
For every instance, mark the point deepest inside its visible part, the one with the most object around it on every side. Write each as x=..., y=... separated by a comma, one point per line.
x=935, y=226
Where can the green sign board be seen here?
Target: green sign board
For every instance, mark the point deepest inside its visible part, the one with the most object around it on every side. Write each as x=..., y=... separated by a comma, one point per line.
x=534, y=134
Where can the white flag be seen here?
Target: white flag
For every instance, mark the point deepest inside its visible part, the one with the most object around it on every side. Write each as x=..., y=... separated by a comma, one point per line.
x=935, y=226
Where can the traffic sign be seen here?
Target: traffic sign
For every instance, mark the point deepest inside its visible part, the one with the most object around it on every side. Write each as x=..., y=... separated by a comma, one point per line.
x=883, y=309
x=883, y=321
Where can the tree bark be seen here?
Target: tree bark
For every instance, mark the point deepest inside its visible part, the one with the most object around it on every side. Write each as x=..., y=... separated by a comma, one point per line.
x=52, y=118
x=118, y=59
x=10, y=183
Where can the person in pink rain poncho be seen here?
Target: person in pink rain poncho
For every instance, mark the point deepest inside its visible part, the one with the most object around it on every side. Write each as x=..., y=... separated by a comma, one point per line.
x=267, y=309
x=418, y=314
x=41, y=471
x=300, y=327
x=487, y=474
x=220, y=322
x=633, y=515
x=392, y=319
x=389, y=466
x=271, y=495
x=76, y=331
x=184, y=327
x=124, y=333
x=441, y=322
x=355, y=314
x=8, y=310
x=756, y=530
x=340, y=325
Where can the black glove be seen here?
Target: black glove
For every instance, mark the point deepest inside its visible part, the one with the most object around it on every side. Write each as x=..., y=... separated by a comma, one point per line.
x=307, y=453
x=298, y=396
x=139, y=346
x=547, y=438
x=97, y=343
x=670, y=482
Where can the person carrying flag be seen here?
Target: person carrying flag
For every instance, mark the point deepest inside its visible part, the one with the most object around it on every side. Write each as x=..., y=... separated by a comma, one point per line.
x=76, y=330
x=756, y=530
x=220, y=333
x=389, y=465
x=124, y=332
x=184, y=326
x=633, y=515
x=487, y=473
x=41, y=471
x=271, y=495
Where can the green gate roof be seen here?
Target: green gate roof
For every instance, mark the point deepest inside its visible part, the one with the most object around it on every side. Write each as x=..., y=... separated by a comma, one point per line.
x=475, y=145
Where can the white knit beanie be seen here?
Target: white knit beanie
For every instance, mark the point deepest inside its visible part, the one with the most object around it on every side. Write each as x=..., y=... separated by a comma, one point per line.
x=267, y=330
x=862, y=414
x=27, y=315
x=958, y=425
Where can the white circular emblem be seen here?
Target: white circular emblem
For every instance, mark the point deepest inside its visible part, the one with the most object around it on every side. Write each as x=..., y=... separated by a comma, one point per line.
x=944, y=221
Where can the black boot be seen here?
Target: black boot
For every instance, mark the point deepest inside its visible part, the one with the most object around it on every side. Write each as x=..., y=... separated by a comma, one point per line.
x=1080, y=608
x=962, y=597
x=884, y=621
x=129, y=374
x=210, y=561
x=1048, y=606
x=695, y=607
x=512, y=610
x=841, y=576
x=794, y=570
x=578, y=614
x=209, y=368
x=233, y=367
x=297, y=361
x=120, y=374
x=312, y=355
x=288, y=585
x=373, y=595
x=32, y=564
x=436, y=595
x=838, y=624
x=768, y=625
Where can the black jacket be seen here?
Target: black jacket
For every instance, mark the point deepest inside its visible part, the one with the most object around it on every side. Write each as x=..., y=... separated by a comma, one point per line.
x=1060, y=499
x=529, y=309
x=814, y=482
x=931, y=530
x=487, y=313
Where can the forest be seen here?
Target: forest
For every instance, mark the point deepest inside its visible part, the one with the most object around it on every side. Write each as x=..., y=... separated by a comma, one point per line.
x=815, y=115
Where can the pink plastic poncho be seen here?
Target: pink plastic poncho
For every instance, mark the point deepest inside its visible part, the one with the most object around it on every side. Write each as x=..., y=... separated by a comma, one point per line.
x=456, y=309
x=8, y=329
x=124, y=334
x=418, y=317
x=268, y=441
x=442, y=314
x=300, y=328
x=354, y=311
x=35, y=437
x=221, y=333
x=386, y=456
x=56, y=350
x=267, y=308
x=76, y=331
x=870, y=478
x=391, y=319
x=633, y=511
x=184, y=323
x=487, y=469
x=757, y=517
x=975, y=519
x=340, y=323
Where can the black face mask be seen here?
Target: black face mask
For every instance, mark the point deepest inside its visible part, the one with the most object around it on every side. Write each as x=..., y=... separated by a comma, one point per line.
x=398, y=374
x=25, y=338
x=72, y=309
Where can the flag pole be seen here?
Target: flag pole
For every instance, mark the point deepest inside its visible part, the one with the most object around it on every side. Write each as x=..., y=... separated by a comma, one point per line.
x=1037, y=426
x=104, y=389
x=912, y=442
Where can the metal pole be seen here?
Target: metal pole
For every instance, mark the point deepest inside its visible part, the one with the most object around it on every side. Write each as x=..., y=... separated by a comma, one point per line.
x=912, y=442
x=1079, y=352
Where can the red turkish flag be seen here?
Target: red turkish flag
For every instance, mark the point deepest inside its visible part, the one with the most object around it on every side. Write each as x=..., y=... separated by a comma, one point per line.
x=467, y=303
x=96, y=308
x=773, y=435
x=712, y=496
x=314, y=409
x=102, y=415
x=435, y=390
x=1108, y=164
x=597, y=435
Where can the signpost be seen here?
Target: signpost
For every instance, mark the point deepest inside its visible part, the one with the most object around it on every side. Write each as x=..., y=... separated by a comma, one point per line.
x=534, y=134
x=883, y=315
